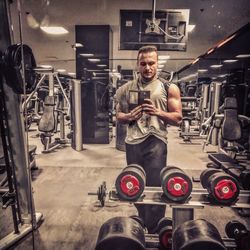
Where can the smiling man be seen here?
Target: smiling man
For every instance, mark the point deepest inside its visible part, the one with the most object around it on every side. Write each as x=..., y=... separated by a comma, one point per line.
x=146, y=140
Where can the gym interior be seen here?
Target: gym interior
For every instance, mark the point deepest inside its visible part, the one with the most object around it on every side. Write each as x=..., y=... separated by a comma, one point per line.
x=64, y=181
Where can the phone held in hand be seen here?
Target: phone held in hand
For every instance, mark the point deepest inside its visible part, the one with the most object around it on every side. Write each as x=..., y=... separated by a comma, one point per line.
x=137, y=97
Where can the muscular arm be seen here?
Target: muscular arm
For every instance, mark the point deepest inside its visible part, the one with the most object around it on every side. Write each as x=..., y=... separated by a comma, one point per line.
x=174, y=114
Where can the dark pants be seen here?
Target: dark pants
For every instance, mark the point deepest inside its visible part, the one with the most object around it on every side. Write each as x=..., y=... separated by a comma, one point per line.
x=151, y=154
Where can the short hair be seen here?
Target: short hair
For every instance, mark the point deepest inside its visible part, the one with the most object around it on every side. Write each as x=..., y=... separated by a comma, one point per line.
x=146, y=49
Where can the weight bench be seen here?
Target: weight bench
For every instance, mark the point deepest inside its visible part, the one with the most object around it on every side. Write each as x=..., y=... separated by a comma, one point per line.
x=232, y=167
x=231, y=131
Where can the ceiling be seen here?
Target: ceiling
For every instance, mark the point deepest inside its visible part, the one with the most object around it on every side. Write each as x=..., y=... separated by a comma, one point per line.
x=215, y=20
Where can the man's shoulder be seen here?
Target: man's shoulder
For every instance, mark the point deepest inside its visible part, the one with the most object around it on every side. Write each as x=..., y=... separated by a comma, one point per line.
x=126, y=86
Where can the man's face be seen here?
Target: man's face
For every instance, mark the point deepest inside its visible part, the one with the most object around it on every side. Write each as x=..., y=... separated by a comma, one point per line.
x=147, y=65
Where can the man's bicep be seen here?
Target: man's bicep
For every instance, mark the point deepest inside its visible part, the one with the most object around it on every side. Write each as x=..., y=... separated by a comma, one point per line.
x=174, y=99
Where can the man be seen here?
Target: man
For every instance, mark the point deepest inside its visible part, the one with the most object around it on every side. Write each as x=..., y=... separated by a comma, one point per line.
x=146, y=140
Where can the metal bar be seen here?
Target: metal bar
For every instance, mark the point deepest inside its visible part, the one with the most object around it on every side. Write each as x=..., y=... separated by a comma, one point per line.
x=153, y=10
x=64, y=93
x=12, y=238
x=34, y=91
x=181, y=215
x=198, y=198
x=77, y=116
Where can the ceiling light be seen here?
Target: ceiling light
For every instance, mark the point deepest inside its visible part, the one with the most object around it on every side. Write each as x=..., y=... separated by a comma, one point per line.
x=94, y=59
x=77, y=45
x=190, y=27
x=61, y=70
x=202, y=70
x=243, y=56
x=223, y=75
x=45, y=66
x=107, y=70
x=164, y=57
x=101, y=65
x=195, y=61
x=56, y=30
x=86, y=55
x=216, y=66
x=230, y=61
x=162, y=61
x=71, y=73
x=160, y=66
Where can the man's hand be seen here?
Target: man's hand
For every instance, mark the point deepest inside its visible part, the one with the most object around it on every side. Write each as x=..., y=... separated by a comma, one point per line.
x=136, y=113
x=149, y=107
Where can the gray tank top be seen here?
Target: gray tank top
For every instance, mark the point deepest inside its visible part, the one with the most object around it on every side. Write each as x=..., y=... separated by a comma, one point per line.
x=147, y=125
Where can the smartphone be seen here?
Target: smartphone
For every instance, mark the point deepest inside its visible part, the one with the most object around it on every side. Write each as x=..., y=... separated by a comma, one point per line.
x=137, y=97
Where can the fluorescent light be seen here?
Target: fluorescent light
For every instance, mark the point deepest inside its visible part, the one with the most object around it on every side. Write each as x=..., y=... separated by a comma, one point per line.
x=86, y=55
x=243, y=56
x=94, y=60
x=230, y=61
x=223, y=75
x=164, y=57
x=216, y=66
x=56, y=30
x=101, y=65
x=162, y=61
x=107, y=70
x=160, y=66
x=190, y=27
x=202, y=70
x=77, y=45
x=45, y=66
x=61, y=70
x=71, y=73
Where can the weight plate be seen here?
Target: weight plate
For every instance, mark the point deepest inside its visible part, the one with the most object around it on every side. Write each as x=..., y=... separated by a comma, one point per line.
x=223, y=188
x=176, y=185
x=206, y=174
x=234, y=228
x=130, y=183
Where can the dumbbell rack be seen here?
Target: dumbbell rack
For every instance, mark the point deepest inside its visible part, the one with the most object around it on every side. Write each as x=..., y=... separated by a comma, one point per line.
x=182, y=212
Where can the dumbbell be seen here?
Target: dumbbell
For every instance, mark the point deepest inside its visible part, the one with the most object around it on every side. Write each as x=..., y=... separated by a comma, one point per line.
x=130, y=183
x=164, y=229
x=222, y=188
x=238, y=231
x=176, y=184
x=196, y=235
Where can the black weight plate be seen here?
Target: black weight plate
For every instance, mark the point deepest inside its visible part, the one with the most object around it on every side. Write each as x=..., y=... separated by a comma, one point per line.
x=206, y=174
x=137, y=175
x=233, y=229
x=135, y=166
x=213, y=182
x=163, y=222
x=167, y=168
x=176, y=173
x=13, y=68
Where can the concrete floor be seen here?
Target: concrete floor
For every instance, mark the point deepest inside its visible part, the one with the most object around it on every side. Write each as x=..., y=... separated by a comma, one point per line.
x=72, y=218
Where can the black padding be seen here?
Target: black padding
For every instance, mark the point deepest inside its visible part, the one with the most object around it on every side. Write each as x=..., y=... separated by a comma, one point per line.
x=231, y=128
x=47, y=122
x=219, y=158
x=230, y=103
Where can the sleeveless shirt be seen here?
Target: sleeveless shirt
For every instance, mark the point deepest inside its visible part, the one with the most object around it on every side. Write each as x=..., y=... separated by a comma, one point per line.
x=147, y=125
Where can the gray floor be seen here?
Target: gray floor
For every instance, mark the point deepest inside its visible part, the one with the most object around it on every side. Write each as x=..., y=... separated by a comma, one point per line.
x=72, y=218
